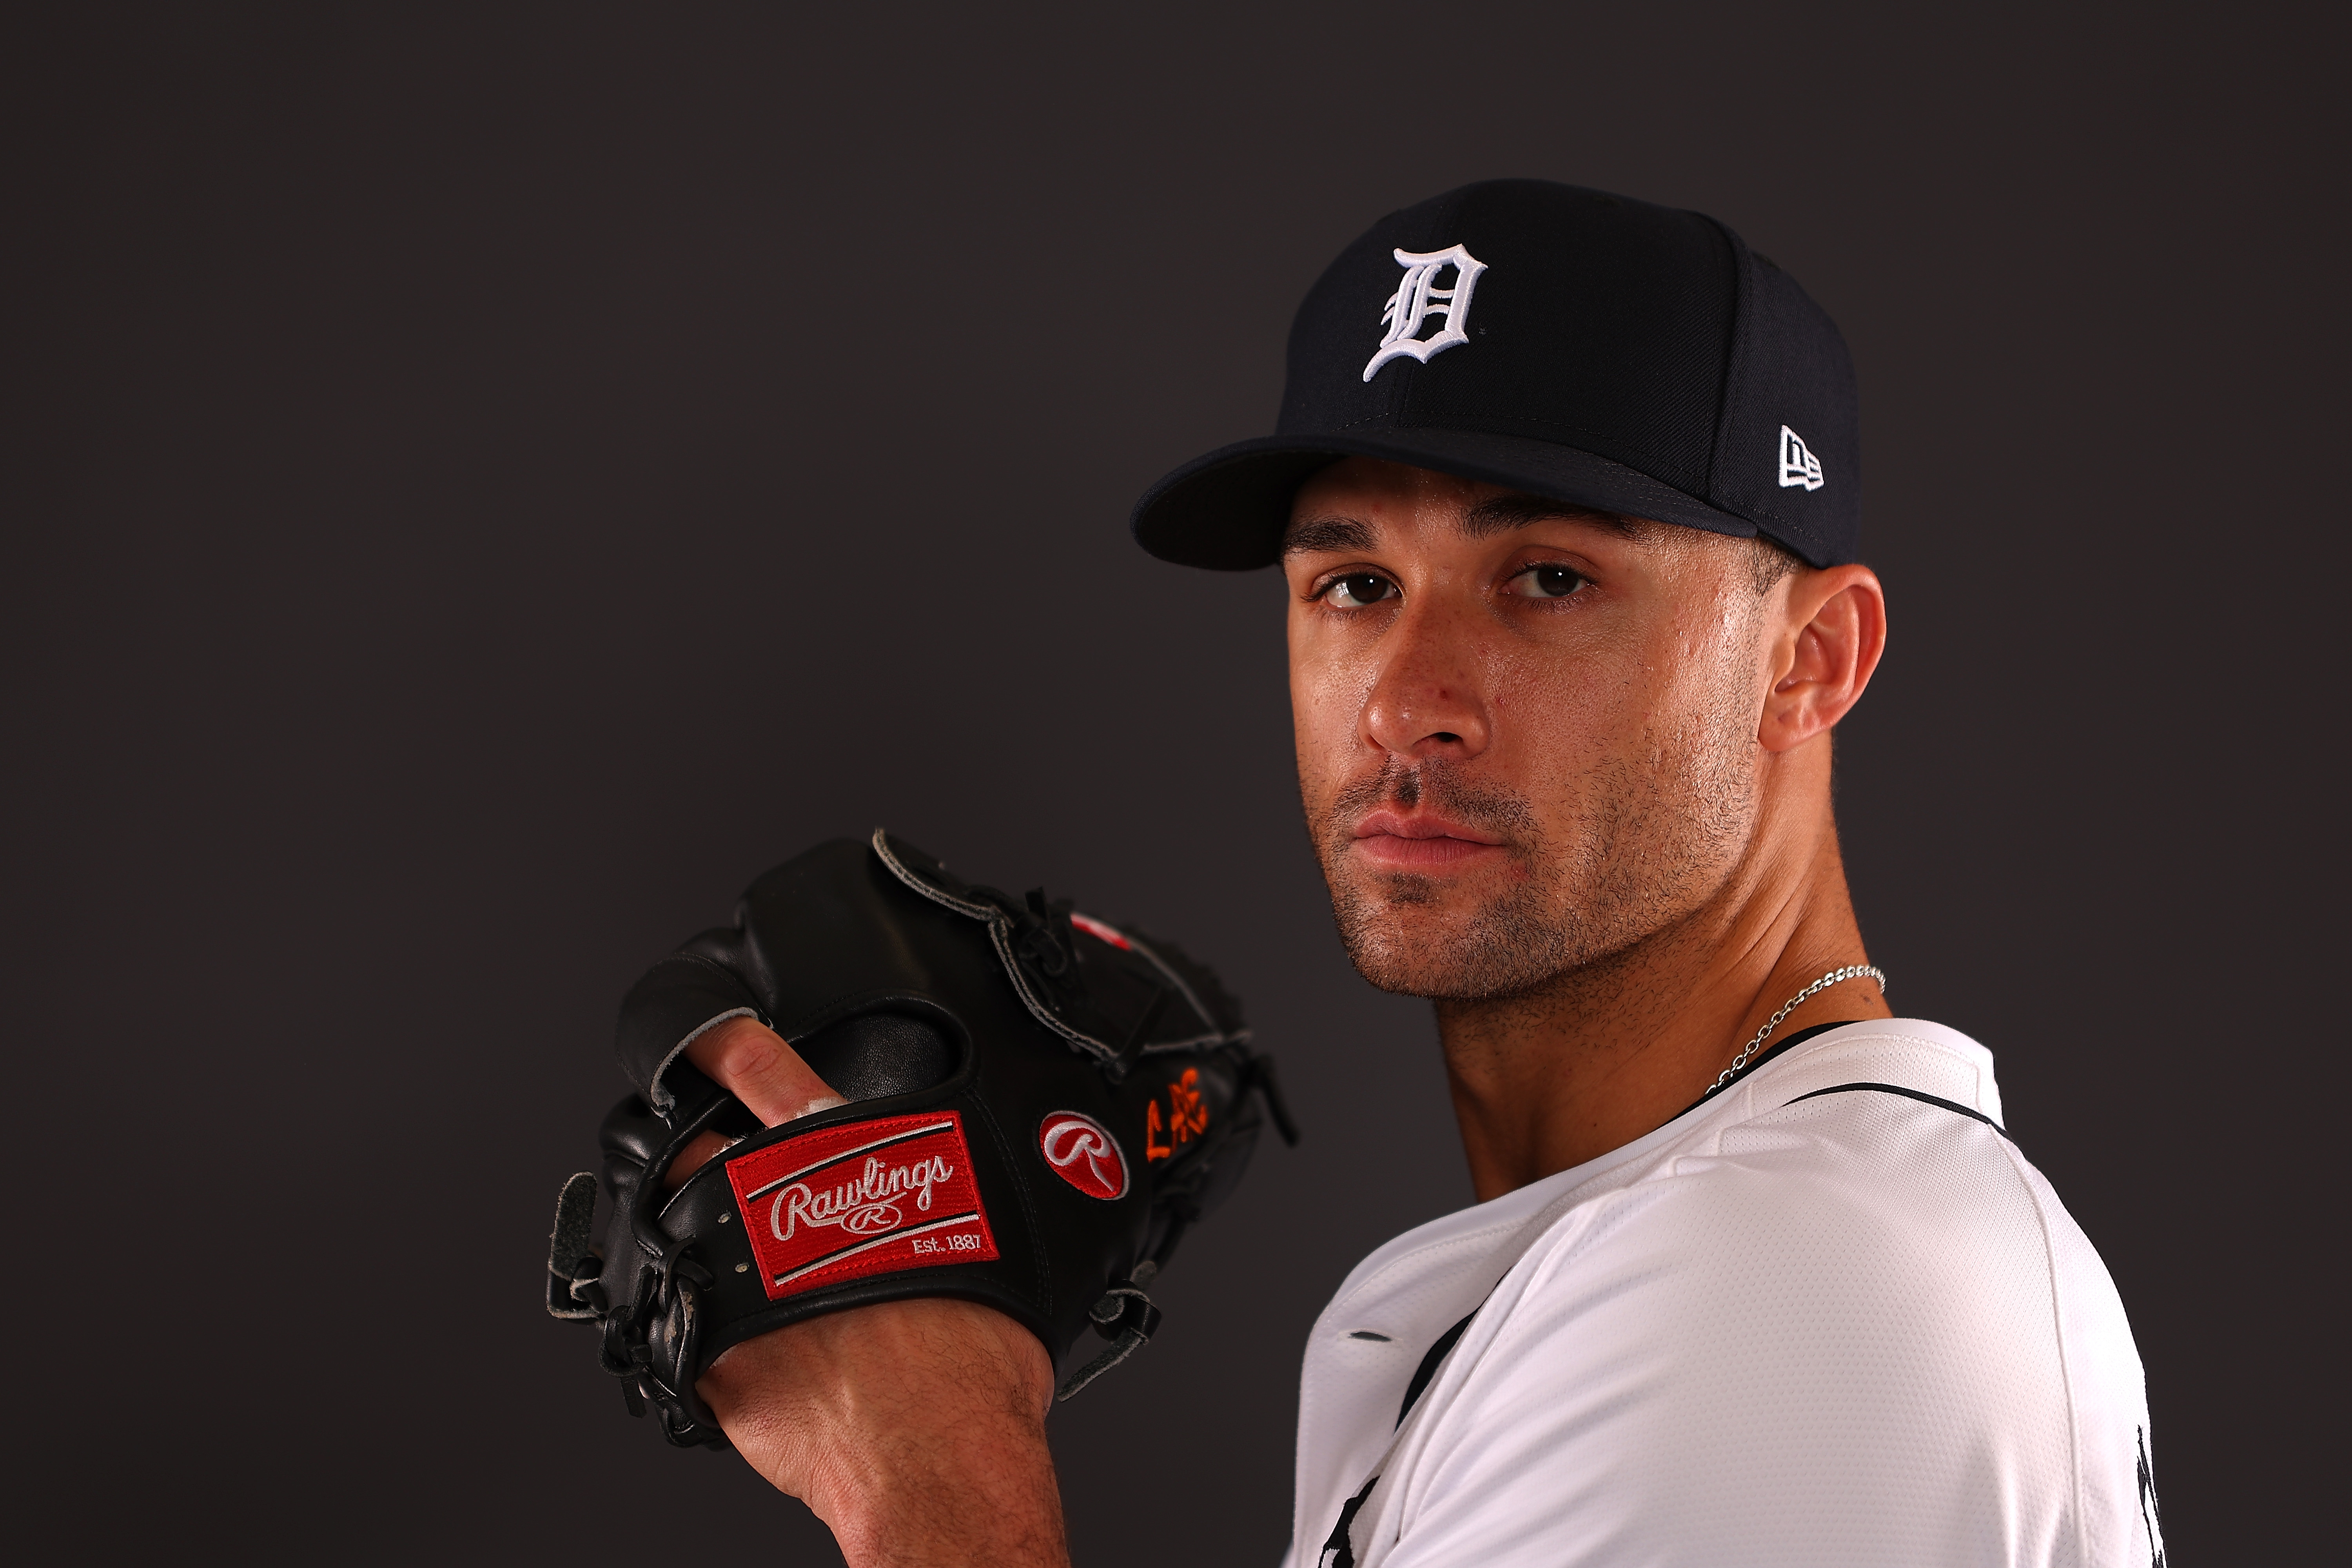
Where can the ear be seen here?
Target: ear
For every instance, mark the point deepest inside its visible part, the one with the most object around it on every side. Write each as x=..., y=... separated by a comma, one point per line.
x=1831, y=633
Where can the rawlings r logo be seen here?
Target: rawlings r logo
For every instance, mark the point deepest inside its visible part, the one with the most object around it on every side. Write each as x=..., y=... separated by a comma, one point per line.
x=1083, y=1152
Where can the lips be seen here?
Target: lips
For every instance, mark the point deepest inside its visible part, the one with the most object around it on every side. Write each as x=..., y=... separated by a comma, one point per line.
x=1422, y=841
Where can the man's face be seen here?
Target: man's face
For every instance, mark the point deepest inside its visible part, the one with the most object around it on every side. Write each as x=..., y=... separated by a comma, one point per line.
x=1527, y=736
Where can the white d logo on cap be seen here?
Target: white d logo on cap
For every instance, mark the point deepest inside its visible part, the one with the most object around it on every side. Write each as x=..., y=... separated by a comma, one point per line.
x=1418, y=298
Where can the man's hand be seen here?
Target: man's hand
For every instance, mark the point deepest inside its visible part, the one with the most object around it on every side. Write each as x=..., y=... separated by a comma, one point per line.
x=915, y=1429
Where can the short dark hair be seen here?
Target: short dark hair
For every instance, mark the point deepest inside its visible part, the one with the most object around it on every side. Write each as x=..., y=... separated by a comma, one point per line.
x=1769, y=561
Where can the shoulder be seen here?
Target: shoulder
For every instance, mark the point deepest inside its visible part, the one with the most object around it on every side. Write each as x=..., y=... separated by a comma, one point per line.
x=1859, y=1245
x=1849, y=1179
x=1859, y=1237
x=1874, y=1158
x=1862, y=1305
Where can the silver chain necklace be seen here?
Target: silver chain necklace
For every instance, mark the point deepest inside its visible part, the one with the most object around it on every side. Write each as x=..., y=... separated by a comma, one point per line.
x=1834, y=977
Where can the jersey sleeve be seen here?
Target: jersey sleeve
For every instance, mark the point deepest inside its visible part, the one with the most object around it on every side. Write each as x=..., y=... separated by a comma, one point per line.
x=1861, y=1332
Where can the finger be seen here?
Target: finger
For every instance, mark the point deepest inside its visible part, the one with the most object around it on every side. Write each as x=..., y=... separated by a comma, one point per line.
x=699, y=1151
x=750, y=1061
x=747, y=1060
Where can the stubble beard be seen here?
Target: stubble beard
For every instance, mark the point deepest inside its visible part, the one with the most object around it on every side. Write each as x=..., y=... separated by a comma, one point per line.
x=1643, y=844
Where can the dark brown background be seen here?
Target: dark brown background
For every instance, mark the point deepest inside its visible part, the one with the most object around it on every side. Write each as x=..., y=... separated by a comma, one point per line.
x=479, y=490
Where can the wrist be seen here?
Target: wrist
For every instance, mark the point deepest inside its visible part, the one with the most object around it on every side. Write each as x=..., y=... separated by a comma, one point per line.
x=986, y=1496
x=915, y=1429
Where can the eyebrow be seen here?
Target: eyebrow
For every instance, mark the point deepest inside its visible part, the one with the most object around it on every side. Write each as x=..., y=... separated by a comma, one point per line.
x=1337, y=535
x=1328, y=536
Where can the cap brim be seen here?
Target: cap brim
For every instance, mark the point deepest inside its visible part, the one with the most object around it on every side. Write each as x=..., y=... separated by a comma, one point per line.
x=1227, y=511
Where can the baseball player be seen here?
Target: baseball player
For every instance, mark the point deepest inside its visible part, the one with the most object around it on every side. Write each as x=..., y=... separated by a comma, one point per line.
x=1566, y=492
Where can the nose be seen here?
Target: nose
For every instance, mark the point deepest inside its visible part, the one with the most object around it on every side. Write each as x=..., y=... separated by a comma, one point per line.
x=1428, y=700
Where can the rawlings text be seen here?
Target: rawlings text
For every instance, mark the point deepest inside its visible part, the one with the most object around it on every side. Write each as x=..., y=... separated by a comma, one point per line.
x=862, y=1208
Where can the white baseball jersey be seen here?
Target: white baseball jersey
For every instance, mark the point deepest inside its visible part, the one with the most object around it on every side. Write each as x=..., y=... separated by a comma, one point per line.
x=1830, y=1316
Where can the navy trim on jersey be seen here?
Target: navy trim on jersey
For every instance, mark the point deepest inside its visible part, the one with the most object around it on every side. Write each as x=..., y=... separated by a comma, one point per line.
x=1907, y=1094
x=1791, y=1043
x=1339, y=1547
x=1428, y=1367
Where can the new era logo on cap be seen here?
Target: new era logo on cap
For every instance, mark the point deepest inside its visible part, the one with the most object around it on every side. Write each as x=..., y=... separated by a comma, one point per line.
x=1798, y=466
x=1418, y=298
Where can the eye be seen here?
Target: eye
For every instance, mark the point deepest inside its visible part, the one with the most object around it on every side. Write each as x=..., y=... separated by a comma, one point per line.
x=1355, y=590
x=1547, y=582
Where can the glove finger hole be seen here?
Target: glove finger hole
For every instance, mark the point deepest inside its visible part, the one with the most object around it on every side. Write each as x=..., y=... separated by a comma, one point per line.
x=745, y=1057
x=880, y=1053
x=705, y=1147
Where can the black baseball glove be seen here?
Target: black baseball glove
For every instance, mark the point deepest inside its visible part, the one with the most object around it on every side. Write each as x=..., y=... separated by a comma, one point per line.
x=1039, y=1105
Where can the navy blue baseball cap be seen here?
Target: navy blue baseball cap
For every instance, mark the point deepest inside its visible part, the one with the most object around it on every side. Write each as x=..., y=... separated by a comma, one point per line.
x=1567, y=344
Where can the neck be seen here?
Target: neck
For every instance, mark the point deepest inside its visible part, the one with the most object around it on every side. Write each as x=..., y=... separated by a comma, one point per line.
x=1602, y=1053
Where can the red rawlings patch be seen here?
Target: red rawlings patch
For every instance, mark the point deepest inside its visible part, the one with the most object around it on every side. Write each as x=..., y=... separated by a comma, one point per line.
x=861, y=1199
x=1083, y=1152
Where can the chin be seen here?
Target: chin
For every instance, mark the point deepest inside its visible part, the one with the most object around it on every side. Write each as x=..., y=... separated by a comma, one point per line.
x=1413, y=940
